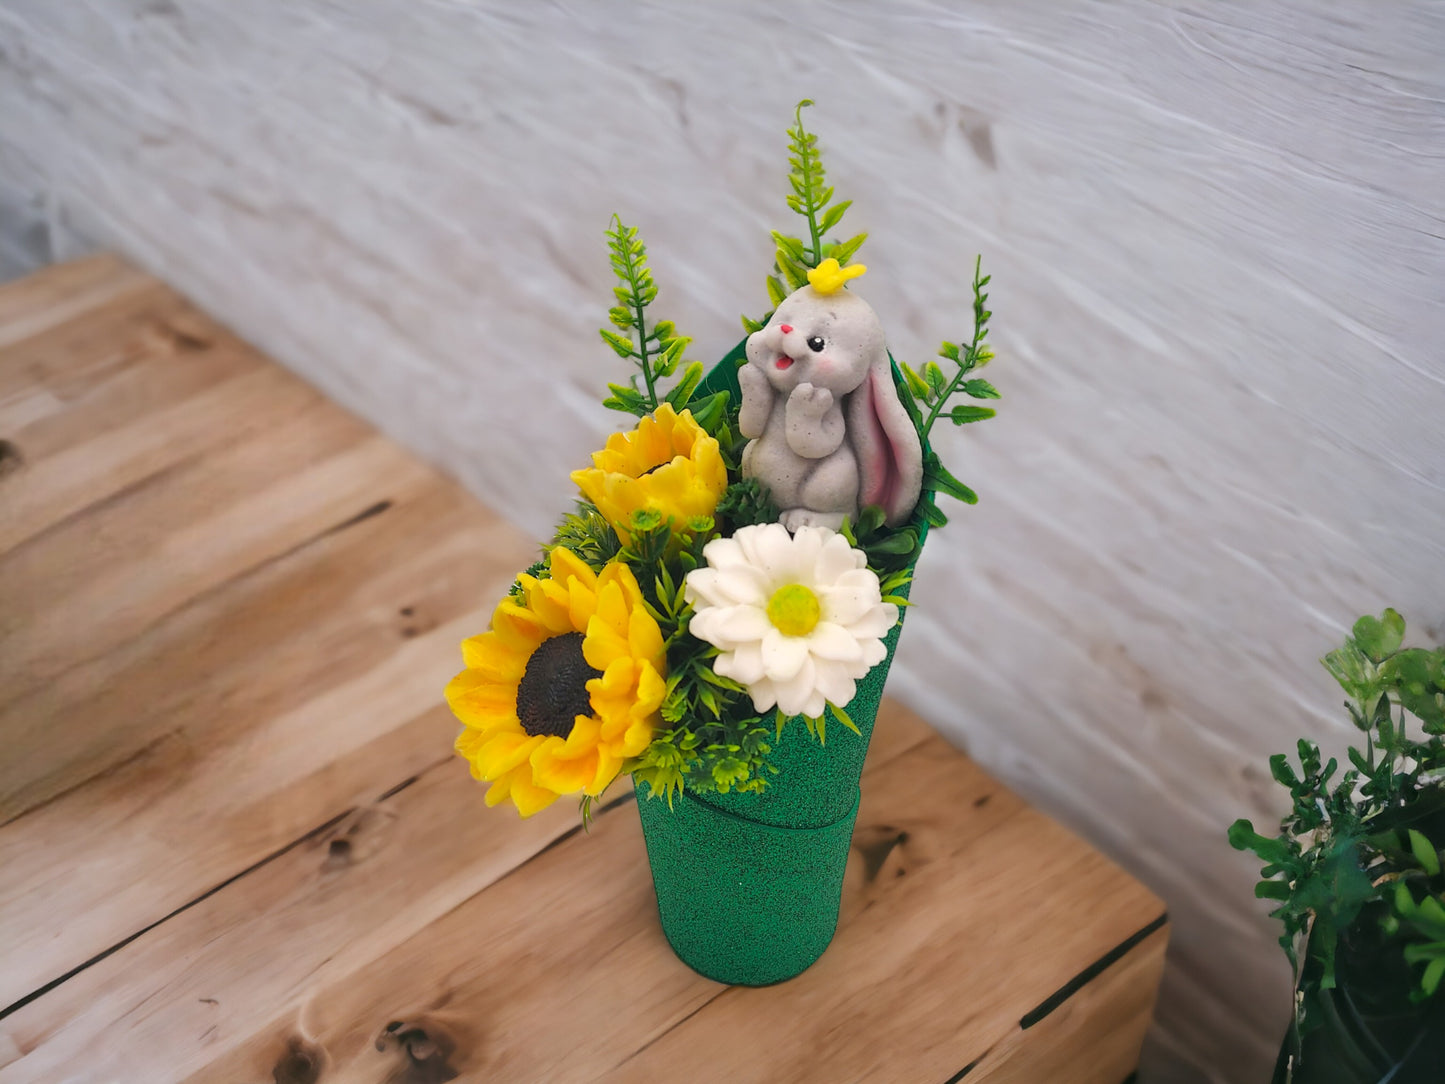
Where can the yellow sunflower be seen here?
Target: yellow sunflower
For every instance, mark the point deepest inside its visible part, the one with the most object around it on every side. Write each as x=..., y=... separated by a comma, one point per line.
x=667, y=464
x=563, y=689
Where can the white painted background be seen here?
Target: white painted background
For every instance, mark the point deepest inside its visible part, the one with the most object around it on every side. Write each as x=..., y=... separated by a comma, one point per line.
x=1215, y=233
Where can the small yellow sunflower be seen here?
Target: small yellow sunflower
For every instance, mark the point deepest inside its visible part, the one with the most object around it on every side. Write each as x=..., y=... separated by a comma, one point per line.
x=563, y=689
x=667, y=464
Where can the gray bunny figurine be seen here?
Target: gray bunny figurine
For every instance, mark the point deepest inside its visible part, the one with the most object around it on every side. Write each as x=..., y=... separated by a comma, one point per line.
x=828, y=433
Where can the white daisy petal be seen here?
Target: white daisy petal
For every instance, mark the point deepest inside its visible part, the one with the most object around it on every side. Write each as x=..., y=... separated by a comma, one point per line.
x=807, y=545
x=874, y=652
x=741, y=624
x=830, y=641
x=835, y=558
x=795, y=696
x=724, y=553
x=834, y=682
x=744, y=665
x=844, y=605
x=783, y=656
x=764, y=695
x=742, y=584
x=876, y=622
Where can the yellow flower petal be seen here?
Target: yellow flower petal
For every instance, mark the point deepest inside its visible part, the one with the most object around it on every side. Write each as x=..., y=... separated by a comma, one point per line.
x=497, y=793
x=612, y=608
x=506, y=750
x=567, y=566
x=581, y=604
x=482, y=703
x=493, y=658
x=529, y=798
x=564, y=775
x=603, y=644
x=548, y=600
x=645, y=638
x=518, y=627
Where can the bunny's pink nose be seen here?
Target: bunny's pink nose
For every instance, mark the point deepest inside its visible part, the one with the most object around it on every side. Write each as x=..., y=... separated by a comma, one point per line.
x=785, y=329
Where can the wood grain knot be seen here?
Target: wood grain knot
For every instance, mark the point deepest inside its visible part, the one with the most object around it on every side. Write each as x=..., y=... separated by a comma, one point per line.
x=10, y=458
x=425, y=1049
x=302, y=1063
x=359, y=836
x=175, y=339
x=412, y=624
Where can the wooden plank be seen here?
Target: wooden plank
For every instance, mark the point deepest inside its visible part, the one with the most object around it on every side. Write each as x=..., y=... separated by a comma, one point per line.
x=61, y=293
x=222, y=989
x=1094, y=1036
x=230, y=610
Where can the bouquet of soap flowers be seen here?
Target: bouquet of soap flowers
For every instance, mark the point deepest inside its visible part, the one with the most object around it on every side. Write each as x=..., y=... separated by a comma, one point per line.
x=735, y=561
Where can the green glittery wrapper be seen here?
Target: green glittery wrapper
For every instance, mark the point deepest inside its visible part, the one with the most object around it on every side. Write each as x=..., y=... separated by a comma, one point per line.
x=748, y=885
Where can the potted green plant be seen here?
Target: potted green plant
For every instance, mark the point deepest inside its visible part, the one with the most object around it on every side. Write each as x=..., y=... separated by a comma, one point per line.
x=1356, y=872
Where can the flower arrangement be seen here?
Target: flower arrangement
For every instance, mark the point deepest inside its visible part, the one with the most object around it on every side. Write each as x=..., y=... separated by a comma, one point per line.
x=735, y=562
x=1356, y=872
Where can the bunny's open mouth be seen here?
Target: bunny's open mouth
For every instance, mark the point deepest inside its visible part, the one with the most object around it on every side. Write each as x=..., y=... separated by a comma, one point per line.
x=784, y=362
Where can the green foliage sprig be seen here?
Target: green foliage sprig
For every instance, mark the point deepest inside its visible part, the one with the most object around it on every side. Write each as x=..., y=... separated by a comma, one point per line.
x=932, y=390
x=812, y=199
x=657, y=349
x=1357, y=860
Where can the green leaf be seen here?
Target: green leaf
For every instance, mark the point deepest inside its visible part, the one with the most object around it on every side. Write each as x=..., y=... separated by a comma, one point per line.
x=842, y=717
x=1419, y=679
x=1272, y=890
x=691, y=378
x=835, y=214
x=844, y=252
x=795, y=274
x=980, y=389
x=750, y=325
x=962, y=415
x=790, y=246
x=1282, y=772
x=938, y=479
x=1424, y=853
x=948, y=350
x=1243, y=837
x=915, y=382
x=933, y=374
x=776, y=294
x=619, y=343
x=1380, y=637
x=1434, y=972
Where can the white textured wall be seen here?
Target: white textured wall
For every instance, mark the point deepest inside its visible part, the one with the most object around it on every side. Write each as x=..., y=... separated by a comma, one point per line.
x=1215, y=232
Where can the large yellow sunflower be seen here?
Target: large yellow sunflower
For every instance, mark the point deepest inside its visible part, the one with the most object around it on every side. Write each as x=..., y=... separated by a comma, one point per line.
x=667, y=464
x=563, y=689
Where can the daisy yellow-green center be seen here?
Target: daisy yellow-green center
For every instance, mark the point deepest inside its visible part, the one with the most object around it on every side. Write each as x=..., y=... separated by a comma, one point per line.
x=794, y=610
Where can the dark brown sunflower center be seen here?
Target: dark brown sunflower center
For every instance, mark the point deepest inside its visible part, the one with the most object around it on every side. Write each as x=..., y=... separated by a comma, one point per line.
x=553, y=690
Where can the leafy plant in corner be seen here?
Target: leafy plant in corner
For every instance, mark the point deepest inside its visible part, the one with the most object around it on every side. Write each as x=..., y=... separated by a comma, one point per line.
x=1355, y=871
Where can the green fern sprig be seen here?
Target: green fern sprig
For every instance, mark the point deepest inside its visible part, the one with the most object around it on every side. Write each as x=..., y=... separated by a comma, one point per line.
x=811, y=198
x=657, y=349
x=932, y=389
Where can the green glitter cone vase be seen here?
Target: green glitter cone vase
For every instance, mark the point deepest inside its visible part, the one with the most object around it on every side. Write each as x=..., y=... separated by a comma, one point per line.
x=749, y=885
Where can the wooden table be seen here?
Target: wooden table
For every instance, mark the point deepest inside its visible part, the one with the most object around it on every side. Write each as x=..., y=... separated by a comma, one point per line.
x=234, y=843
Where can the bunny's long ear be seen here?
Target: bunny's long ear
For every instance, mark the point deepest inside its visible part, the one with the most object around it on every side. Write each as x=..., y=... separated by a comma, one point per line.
x=890, y=458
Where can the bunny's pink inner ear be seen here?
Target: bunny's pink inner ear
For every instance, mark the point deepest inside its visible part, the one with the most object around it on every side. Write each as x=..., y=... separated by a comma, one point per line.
x=890, y=458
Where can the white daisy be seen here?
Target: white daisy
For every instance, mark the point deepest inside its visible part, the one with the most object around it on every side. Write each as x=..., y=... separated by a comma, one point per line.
x=799, y=618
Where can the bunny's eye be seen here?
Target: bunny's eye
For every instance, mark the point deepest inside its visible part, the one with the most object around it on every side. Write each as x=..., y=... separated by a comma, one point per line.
x=815, y=343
